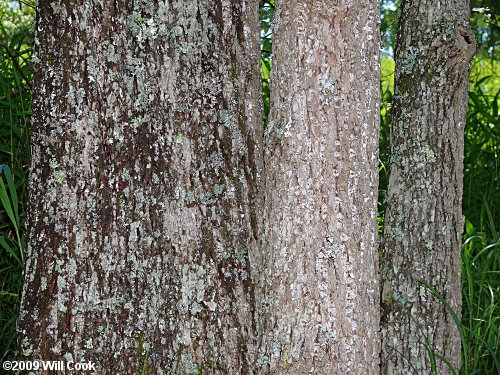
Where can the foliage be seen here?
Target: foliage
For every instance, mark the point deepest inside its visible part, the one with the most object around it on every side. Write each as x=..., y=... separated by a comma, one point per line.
x=17, y=16
x=266, y=14
x=389, y=11
x=480, y=292
x=485, y=21
x=16, y=36
x=386, y=91
x=482, y=141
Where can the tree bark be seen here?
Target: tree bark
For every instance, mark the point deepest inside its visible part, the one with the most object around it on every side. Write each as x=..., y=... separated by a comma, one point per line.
x=143, y=205
x=423, y=220
x=318, y=297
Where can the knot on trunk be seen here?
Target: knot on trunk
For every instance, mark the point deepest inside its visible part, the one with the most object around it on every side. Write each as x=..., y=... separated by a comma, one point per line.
x=458, y=47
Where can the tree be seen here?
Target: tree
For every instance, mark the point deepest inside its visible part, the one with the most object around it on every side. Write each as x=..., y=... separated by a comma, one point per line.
x=423, y=221
x=143, y=206
x=318, y=288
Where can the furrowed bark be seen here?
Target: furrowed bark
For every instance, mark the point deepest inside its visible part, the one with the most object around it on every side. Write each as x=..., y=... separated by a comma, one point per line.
x=423, y=220
x=143, y=187
x=318, y=300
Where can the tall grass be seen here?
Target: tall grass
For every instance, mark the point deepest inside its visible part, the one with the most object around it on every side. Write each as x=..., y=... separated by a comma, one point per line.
x=16, y=36
x=481, y=293
x=481, y=245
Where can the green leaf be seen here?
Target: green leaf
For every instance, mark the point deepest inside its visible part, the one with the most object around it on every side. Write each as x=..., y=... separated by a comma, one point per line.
x=265, y=69
x=494, y=105
x=13, y=193
x=4, y=198
x=9, y=249
x=469, y=228
x=482, y=80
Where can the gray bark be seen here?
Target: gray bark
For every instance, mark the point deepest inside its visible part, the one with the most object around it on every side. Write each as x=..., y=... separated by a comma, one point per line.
x=318, y=296
x=143, y=187
x=423, y=222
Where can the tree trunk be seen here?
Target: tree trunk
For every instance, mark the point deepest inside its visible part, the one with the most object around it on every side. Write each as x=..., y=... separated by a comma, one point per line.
x=318, y=294
x=423, y=221
x=143, y=188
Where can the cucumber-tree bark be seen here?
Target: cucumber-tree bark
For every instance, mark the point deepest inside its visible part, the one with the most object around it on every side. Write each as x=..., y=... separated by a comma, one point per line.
x=318, y=294
x=143, y=186
x=423, y=216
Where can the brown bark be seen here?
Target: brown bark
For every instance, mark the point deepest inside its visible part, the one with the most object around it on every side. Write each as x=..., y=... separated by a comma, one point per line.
x=423, y=222
x=143, y=188
x=318, y=300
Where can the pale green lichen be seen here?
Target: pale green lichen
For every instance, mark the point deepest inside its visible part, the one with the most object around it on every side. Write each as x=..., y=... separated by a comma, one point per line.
x=186, y=365
x=110, y=54
x=179, y=138
x=207, y=198
x=328, y=86
x=43, y=283
x=184, y=48
x=228, y=118
x=136, y=122
x=266, y=304
x=429, y=154
x=89, y=344
x=410, y=60
x=276, y=346
x=135, y=23
x=59, y=176
x=284, y=358
x=423, y=293
x=262, y=359
x=401, y=298
x=396, y=233
x=328, y=336
x=190, y=197
x=75, y=96
x=218, y=189
x=26, y=347
x=35, y=59
x=405, y=113
x=92, y=67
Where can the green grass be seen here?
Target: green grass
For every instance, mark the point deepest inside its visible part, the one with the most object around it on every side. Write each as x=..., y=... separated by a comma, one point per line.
x=480, y=293
x=15, y=102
